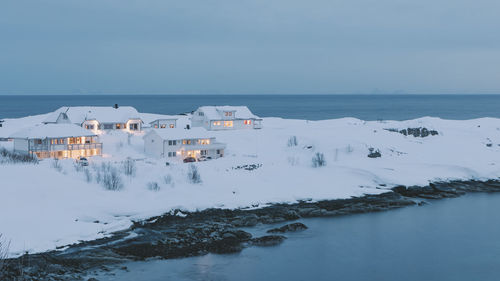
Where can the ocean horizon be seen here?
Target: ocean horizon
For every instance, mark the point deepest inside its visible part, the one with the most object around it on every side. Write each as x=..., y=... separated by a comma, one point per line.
x=309, y=107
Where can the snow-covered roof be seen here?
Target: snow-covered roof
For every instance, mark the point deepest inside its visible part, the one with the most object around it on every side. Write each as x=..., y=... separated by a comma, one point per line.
x=103, y=114
x=178, y=133
x=217, y=112
x=42, y=131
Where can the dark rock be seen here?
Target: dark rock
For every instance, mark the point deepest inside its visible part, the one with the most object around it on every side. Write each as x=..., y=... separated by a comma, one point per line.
x=92, y=279
x=268, y=240
x=289, y=228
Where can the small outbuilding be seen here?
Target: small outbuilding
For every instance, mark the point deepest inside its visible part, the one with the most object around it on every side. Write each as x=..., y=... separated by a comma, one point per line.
x=182, y=143
x=56, y=141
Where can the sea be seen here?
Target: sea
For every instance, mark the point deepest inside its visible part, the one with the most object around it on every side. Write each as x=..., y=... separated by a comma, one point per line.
x=308, y=107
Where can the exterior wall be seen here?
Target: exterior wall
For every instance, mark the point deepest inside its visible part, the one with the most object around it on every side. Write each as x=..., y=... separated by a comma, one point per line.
x=153, y=145
x=237, y=124
x=193, y=148
x=59, y=147
x=164, y=124
x=21, y=145
x=132, y=123
x=198, y=120
x=92, y=125
x=95, y=126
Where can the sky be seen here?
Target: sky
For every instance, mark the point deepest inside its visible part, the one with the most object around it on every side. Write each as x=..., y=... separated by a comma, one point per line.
x=249, y=47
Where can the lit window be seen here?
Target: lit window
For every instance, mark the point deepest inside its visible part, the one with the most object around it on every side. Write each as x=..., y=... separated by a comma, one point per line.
x=163, y=126
x=171, y=125
x=228, y=123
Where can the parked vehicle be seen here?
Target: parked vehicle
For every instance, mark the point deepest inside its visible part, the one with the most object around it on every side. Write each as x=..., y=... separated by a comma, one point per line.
x=189, y=159
x=204, y=158
x=82, y=161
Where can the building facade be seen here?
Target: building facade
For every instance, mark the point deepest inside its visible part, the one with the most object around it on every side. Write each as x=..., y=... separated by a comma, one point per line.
x=182, y=143
x=98, y=118
x=215, y=118
x=57, y=141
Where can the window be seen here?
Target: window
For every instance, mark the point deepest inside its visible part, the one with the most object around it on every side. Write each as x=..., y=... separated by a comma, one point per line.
x=118, y=126
x=204, y=141
x=218, y=151
x=172, y=125
x=216, y=123
x=228, y=123
x=172, y=142
x=203, y=152
x=200, y=113
x=89, y=127
x=163, y=126
x=134, y=126
x=108, y=126
x=172, y=154
x=156, y=126
x=228, y=113
x=247, y=122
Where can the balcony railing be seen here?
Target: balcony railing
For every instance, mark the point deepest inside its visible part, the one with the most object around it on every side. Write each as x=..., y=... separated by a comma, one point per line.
x=58, y=147
x=85, y=146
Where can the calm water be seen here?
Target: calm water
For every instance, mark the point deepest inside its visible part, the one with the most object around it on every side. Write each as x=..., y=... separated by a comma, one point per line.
x=454, y=239
x=312, y=107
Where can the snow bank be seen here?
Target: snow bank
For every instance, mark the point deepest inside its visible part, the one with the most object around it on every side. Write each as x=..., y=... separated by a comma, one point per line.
x=43, y=208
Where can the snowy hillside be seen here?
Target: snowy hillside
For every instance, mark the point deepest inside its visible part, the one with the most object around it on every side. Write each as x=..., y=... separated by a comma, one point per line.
x=45, y=206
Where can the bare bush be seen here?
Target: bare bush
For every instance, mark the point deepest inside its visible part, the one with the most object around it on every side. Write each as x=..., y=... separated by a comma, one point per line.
x=167, y=179
x=292, y=141
x=193, y=174
x=318, y=160
x=10, y=157
x=129, y=167
x=153, y=186
x=4, y=252
x=56, y=164
x=108, y=176
x=111, y=180
x=88, y=175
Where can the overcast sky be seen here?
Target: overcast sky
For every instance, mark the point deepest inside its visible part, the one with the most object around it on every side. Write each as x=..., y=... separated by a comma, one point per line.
x=249, y=47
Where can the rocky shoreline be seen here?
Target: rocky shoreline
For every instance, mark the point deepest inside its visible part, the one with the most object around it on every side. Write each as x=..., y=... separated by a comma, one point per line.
x=215, y=231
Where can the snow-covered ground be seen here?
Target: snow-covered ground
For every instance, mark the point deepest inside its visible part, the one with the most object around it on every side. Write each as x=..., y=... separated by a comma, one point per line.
x=42, y=208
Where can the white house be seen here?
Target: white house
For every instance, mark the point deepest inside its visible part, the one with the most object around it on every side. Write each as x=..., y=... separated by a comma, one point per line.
x=96, y=118
x=167, y=123
x=56, y=141
x=182, y=143
x=225, y=118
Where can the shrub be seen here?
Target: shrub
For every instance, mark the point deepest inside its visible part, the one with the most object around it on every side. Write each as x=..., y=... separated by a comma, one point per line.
x=7, y=156
x=4, y=252
x=56, y=165
x=193, y=174
x=88, y=175
x=167, y=179
x=111, y=180
x=292, y=141
x=129, y=167
x=108, y=176
x=153, y=186
x=318, y=160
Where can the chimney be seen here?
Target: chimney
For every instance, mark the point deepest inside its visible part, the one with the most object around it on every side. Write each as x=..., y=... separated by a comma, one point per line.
x=116, y=105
